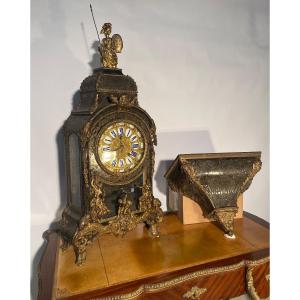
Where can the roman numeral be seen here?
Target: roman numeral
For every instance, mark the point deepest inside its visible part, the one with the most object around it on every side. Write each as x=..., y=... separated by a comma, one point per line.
x=121, y=162
x=128, y=160
x=128, y=132
x=113, y=133
x=133, y=153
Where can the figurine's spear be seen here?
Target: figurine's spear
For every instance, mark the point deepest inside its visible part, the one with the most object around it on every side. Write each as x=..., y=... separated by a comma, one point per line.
x=95, y=22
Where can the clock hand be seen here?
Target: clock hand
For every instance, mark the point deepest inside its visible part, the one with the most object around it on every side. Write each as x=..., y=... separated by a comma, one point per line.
x=121, y=142
x=120, y=145
x=132, y=157
x=116, y=149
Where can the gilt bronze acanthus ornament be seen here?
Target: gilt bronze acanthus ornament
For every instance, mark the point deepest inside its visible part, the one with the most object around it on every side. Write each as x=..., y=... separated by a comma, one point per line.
x=194, y=293
x=214, y=181
x=126, y=220
x=97, y=206
x=109, y=145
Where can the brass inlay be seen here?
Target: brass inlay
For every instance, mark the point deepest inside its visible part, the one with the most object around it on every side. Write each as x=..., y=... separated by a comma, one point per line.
x=214, y=181
x=156, y=287
x=194, y=293
x=208, y=155
x=124, y=100
x=118, y=91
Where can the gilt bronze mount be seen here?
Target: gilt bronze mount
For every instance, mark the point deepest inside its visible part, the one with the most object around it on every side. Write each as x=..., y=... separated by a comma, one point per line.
x=109, y=47
x=214, y=181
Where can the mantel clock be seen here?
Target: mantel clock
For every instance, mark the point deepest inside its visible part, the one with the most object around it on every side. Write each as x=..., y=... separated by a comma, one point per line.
x=109, y=146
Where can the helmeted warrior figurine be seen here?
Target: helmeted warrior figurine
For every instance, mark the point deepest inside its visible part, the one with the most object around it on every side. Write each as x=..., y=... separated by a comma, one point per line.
x=109, y=47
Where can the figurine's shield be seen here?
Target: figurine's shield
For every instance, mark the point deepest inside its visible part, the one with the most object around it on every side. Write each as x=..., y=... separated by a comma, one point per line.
x=117, y=43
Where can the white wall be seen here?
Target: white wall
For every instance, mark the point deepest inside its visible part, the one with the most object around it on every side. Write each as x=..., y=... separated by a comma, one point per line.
x=202, y=74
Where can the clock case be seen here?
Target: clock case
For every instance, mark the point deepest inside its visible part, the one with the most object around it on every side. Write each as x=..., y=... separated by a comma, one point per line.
x=99, y=201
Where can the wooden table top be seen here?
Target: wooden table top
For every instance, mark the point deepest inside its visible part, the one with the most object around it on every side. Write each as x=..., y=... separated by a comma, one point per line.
x=112, y=261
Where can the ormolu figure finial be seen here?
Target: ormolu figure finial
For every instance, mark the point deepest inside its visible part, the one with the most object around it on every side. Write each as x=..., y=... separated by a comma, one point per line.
x=109, y=47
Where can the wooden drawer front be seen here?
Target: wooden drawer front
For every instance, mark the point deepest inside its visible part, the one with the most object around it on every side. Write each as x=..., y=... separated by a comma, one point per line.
x=210, y=284
x=258, y=278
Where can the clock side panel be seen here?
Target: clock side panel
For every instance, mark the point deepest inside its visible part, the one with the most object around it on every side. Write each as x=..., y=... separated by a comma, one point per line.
x=74, y=171
x=76, y=198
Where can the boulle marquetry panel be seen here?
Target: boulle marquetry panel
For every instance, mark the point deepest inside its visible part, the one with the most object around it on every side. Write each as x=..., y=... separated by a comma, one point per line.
x=214, y=181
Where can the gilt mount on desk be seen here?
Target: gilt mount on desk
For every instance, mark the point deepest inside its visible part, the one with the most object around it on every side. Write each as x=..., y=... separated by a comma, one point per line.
x=214, y=181
x=109, y=152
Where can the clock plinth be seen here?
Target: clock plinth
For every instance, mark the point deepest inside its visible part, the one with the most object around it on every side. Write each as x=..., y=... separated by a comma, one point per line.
x=109, y=146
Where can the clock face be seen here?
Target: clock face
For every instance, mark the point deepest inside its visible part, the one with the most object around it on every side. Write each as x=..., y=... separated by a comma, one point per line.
x=121, y=147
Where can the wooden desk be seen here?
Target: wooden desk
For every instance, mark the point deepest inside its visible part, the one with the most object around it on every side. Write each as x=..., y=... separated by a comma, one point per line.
x=186, y=262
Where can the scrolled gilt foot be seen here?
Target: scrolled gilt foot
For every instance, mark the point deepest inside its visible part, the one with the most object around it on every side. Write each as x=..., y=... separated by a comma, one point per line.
x=154, y=218
x=84, y=236
x=80, y=250
x=81, y=239
x=225, y=217
x=80, y=257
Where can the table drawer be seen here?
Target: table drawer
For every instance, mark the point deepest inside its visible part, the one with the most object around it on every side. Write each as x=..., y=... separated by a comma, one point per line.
x=217, y=283
x=213, y=283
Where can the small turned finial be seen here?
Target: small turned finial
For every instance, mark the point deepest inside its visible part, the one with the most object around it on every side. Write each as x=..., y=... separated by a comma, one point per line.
x=109, y=47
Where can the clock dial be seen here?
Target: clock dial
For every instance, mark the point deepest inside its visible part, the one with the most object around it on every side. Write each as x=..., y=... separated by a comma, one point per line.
x=121, y=147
